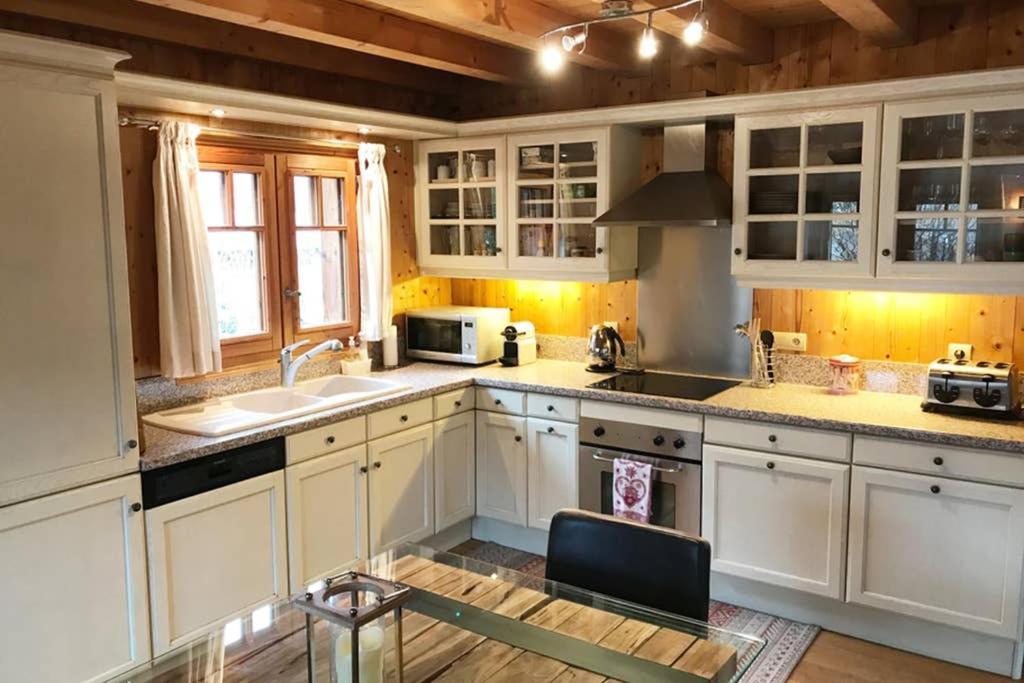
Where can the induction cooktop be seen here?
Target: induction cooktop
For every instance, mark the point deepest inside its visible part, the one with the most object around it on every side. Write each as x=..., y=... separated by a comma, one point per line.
x=691, y=387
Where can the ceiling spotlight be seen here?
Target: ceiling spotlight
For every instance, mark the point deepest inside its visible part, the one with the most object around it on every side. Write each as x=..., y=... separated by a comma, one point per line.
x=648, y=43
x=363, y=130
x=572, y=41
x=551, y=59
x=695, y=30
x=218, y=113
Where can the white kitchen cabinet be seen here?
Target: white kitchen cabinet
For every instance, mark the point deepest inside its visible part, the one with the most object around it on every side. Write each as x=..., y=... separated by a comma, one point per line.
x=454, y=469
x=501, y=467
x=401, y=488
x=804, y=196
x=73, y=577
x=461, y=204
x=938, y=549
x=68, y=392
x=327, y=516
x=950, y=207
x=776, y=519
x=214, y=556
x=551, y=450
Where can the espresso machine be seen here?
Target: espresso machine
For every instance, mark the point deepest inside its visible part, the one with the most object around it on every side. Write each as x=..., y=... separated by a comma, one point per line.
x=520, y=344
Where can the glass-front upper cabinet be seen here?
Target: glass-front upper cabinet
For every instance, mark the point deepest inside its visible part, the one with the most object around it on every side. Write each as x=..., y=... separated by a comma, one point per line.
x=559, y=182
x=804, y=190
x=951, y=203
x=461, y=215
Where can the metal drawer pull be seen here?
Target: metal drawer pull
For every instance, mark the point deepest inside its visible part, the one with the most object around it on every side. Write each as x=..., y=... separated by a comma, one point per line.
x=935, y=489
x=770, y=465
x=667, y=470
x=938, y=461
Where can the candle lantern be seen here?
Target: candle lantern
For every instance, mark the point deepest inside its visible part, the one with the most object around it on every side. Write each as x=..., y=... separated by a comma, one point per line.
x=355, y=607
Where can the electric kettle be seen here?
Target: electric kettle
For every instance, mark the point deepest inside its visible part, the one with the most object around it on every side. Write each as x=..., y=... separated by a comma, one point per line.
x=601, y=351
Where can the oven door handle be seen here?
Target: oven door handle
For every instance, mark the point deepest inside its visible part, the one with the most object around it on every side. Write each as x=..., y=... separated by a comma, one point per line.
x=666, y=470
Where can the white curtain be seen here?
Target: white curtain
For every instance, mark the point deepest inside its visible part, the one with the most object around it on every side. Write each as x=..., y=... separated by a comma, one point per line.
x=374, y=243
x=189, y=337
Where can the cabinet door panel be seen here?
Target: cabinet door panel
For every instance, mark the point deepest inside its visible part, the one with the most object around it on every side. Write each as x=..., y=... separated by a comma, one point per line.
x=327, y=516
x=938, y=549
x=455, y=469
x=88, y=539
x=401, y=488
x=501, y=467
x=552, y=466
x=214, y=556
x=776, y=519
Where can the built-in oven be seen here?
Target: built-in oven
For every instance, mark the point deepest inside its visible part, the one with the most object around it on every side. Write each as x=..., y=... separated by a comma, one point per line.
x=674, y=457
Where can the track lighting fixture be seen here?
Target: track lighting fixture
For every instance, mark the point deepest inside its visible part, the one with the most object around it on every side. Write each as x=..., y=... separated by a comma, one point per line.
x=570, y=41
x=648, y=43
x=552, y=58
x=695, y=30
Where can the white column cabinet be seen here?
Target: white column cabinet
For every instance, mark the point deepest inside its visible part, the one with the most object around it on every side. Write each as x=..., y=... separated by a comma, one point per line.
x=73, y=578
x=214, y=556
x=68, y=391
x=776, y=519
x=937, y=549
x=552, y=465
x=454, y=469
x=401, y=488
x=501, y=467
x=327, y=516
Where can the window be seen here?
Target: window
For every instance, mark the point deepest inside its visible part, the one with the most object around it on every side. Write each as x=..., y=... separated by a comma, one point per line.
x=283, y=246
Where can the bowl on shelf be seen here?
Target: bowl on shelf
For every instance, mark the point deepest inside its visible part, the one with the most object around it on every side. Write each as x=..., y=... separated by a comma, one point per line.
x=850, y=155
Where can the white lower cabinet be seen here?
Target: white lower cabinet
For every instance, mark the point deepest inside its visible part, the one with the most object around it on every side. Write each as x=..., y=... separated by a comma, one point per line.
x=214, y=556
x=454, y=470
x=401, y=488
x=938, y=549
x=776, y=519
x=73, y=585
x=551, y=449
x=501, y=467
x=327, y=516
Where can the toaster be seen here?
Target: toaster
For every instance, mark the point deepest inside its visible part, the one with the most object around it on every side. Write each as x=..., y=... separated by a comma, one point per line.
x=975, y=388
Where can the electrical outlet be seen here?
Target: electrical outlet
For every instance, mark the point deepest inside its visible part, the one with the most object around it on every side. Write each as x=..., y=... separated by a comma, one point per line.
x=790, y=341
x=960, y=351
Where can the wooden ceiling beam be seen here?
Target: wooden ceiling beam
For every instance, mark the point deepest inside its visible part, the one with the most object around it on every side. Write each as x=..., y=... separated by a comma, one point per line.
x=355, y=27
x=519, y=23
x=157, y=23
x=888, y=23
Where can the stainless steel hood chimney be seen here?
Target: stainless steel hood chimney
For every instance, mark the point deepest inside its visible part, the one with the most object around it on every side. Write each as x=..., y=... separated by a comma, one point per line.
x=688, y=192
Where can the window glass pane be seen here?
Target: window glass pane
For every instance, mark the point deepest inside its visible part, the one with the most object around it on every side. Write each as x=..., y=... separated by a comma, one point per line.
x=444, y=240
x=304, y=195
x=926, y=239
x=479, y=202
x=834, y=240
x=930, y=189
x=479, y=165
x=773, y=240
x=334, y=200
x=774, y=147
x=577, y=241
x=577, y=200
x=998, y=133
x=995, y=239
x=245, y=194
x=443, y=167
x=577, y=160
x=774, y=194
x=213, y=197
x=997, y=187
x=932, y=137
x=537, y=161
x=480, y=240
x=832, y=193
x=839, y=143
x=444, y=203
x=537, y=201
x=536, y=240
x=238, y=282
x=321, y=258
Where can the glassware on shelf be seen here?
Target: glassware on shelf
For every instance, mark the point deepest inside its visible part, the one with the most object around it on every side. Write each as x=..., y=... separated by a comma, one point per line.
x=932, y=137
x=929, y=189
x=480, y=240
x=444, y=240
x=832, y=193
x=536, y=240
x=835, y=144
x=994, y=239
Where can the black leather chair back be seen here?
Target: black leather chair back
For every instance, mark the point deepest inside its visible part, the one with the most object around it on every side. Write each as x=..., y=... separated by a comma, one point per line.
x=649, y=565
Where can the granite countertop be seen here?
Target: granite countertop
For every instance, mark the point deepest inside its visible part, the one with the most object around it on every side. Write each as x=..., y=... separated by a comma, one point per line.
x=872, y=413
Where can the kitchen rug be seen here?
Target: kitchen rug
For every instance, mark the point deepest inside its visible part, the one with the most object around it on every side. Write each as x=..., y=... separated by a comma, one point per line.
x=787, y=641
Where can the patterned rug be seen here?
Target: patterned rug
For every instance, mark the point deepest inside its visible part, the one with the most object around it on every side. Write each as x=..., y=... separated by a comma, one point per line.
x=787, y=641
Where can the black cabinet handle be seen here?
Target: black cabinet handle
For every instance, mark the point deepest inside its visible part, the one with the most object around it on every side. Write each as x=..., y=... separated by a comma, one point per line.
x=497, y=401
x=136, y=507
x=377, y=465
x=737, y=251
x=132, y=444
x=886, y=252
x=935, y=488
x=600, y=250
x=551, y=430
x=770, y=465
x=518, y=438
x=329, y=440
x=551, y=409
x=404, y=418
x=364, y=469
x=497, y=250
x=938, y=460
x=772, y=438
x=458, y=404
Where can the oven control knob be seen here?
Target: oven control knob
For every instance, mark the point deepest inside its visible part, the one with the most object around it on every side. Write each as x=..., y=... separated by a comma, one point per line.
x=599, y=431
x=678, y=443
x=659, y=440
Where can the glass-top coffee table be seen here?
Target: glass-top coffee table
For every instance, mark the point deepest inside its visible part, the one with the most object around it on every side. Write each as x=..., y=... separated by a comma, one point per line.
x=471, y=621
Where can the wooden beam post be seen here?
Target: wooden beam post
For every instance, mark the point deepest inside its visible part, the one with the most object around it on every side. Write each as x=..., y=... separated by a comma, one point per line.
x=888, y=23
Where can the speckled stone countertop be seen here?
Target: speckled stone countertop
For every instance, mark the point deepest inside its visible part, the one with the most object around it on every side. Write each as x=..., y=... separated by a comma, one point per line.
x=877, y=414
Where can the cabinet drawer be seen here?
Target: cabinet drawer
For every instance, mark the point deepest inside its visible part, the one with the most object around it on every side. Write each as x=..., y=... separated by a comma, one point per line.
x=553, y=407
x=327, y=439
x=942, y=461
x=762, y=436
x=501, y=400
x=400, y=417
x=453, y=403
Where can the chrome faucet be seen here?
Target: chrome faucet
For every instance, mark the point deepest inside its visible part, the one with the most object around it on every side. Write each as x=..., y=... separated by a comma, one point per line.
x=290, y=366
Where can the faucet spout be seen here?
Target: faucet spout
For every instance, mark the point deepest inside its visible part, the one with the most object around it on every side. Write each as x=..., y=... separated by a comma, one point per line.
x=290, y=366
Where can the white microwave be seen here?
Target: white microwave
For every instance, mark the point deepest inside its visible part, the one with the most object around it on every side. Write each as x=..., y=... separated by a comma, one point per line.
x=456, y=334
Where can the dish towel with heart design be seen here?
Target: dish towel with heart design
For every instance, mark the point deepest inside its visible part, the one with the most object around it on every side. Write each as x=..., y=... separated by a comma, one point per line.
x=632, y=495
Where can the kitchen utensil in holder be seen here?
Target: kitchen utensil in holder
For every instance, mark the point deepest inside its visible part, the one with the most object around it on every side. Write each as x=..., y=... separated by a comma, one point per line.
x=760, y=377
x=356, y=627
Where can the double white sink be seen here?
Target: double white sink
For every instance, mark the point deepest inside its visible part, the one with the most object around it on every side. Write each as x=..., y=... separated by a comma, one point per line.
x=230, y=414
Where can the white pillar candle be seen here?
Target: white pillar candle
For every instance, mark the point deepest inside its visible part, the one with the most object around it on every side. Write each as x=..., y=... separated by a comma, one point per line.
x=371, y=656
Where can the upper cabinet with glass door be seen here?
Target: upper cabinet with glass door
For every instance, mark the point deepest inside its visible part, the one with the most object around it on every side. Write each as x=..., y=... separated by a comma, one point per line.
x=460, y=209
x=804, y=191
x=951, y=210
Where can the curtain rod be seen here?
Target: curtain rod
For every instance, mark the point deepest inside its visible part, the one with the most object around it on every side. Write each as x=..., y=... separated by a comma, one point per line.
x=124, y=120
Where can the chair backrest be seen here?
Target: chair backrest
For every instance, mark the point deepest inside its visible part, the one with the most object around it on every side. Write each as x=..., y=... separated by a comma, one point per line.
x=649, y=565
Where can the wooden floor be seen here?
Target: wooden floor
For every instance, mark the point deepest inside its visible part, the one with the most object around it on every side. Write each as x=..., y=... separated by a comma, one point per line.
x=835, y=658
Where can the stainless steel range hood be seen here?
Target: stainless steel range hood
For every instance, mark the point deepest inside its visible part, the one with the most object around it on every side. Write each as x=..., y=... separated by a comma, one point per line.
x=688, y=192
